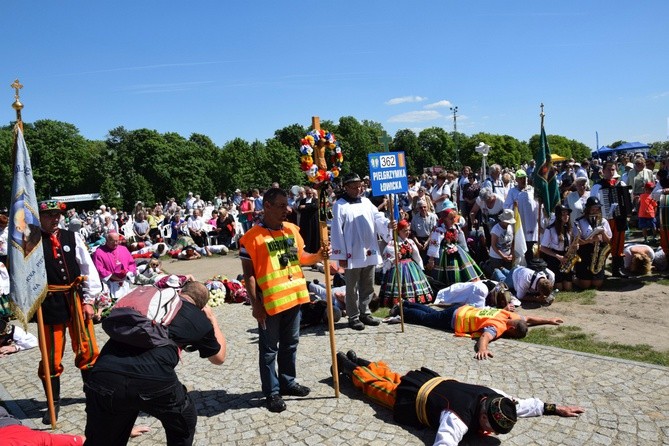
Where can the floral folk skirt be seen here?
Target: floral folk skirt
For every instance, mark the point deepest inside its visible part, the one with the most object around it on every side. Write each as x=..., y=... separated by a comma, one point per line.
x=415, y=286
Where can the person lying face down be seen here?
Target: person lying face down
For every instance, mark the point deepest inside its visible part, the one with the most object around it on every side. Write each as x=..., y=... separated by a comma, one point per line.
x=423, y=398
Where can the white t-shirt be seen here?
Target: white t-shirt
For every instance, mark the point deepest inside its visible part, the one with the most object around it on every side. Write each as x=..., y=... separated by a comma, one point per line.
x=463, y=293
x=496, y=208
x=504, y=240
x=627, y=252
x=550, y=240
x=438, y=192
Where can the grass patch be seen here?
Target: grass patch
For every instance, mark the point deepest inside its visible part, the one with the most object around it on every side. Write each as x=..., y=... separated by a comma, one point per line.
x=585, y=297
x=382, y=312
x=664, y=282
x=573, y=338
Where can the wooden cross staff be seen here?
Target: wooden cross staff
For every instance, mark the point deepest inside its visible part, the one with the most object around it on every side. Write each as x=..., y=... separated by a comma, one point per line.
x=385, y=141
x=319, y=158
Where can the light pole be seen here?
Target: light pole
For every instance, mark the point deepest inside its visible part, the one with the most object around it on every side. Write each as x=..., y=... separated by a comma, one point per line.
x=483, y=149
x=455, y=136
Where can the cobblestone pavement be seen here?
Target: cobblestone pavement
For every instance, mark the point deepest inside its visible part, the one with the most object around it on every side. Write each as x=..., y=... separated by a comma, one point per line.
x=627, y=403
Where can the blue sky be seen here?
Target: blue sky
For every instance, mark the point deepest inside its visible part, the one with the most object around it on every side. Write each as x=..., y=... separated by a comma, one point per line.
x=244, y=69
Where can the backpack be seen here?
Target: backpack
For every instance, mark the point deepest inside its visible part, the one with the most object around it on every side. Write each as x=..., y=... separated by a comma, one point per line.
x=141, y=317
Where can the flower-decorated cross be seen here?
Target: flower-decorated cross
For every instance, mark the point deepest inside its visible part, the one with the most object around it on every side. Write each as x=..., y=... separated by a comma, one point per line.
x=313, y=150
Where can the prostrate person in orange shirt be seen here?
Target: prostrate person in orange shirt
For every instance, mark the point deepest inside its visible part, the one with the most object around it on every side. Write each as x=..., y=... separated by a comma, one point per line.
x=484, y=324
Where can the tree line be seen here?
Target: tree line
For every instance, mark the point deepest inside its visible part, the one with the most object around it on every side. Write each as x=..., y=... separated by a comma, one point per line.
x=143, y=164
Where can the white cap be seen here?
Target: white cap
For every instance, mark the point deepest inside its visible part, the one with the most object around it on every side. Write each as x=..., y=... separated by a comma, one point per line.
x=173, y=282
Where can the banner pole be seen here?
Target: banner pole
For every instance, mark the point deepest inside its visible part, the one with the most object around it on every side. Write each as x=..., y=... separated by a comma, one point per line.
x=46, y=367
x=398, y=271
x=18, y=106
x=325, y=236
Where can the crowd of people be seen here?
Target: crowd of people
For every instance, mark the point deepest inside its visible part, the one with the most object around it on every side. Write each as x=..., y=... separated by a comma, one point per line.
x=478, y=244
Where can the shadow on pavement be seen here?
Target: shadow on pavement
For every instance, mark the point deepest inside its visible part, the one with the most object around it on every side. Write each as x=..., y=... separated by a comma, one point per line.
x=210, y=403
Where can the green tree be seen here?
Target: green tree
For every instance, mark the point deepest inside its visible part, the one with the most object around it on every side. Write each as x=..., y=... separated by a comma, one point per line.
x=282, y=162
x=357, y=140
x=436, y=142
x=505, y=150
x=6, y=145
x=562, y=146
x=59, y=155
x=237, y=166
x=659, y=148
x=406, y=141
x=109, y=193
x=291, y=136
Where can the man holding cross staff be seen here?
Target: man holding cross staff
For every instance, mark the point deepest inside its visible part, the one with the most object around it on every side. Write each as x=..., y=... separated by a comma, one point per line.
x=356, y=226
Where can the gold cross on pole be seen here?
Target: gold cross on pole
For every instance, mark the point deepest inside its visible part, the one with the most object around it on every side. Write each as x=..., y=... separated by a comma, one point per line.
x=17, y=105
x=385, y=141
x=16, y=85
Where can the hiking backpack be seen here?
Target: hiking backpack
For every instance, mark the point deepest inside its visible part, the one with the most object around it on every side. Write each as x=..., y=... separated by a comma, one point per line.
x=141, y=317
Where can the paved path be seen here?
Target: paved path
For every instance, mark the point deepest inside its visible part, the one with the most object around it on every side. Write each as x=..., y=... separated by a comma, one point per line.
x=626, y=403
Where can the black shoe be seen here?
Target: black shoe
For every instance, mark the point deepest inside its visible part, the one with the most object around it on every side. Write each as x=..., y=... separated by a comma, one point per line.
x=46, y=419
x=617, y=266
x=368, y=319
x=353, y=356
x=344, y=365
x=275, y=403
x=356, y=324
x=296, y=390
x=394, y=311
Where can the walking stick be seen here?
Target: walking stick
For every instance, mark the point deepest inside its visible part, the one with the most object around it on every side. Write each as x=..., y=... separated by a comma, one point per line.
x=46, y=368
x=398, y=271
x=319, y=158
x=325, y=245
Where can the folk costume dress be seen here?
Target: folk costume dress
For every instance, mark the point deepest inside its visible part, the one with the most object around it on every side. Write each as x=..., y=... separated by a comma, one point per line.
x=415, y=286
x=455, y=265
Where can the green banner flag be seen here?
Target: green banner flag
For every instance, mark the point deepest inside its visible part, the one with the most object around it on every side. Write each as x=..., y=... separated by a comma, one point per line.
x=543, y=178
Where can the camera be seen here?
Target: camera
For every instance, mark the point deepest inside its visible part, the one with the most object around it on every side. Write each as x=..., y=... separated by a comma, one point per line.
x=283, y=260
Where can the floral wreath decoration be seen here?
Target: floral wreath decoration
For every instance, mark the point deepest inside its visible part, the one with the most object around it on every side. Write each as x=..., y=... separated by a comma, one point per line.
x=52, y=205
x=312, y=161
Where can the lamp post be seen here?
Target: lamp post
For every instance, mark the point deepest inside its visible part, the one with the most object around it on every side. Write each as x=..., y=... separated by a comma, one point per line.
x=483, y=149
x=455, y=136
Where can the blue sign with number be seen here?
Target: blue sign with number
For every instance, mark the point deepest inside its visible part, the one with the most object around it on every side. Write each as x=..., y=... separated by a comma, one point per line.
x=387, y=173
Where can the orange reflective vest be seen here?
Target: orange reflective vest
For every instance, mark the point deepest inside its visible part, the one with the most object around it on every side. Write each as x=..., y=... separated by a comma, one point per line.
x=470, y=321
x=282, y=287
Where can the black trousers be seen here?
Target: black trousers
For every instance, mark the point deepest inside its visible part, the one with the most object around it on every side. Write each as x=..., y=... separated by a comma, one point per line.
x=113, y=402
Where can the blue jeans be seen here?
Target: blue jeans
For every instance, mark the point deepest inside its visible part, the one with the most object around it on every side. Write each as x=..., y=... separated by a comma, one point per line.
x=279, y=339
x=420, y=314
x=504, y=275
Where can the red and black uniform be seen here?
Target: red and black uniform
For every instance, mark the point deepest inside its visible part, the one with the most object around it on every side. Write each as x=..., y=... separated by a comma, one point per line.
x=62, y=307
